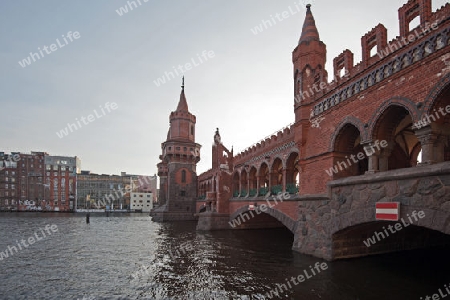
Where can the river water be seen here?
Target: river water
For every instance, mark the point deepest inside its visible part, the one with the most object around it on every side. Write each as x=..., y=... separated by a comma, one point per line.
x=130, y=257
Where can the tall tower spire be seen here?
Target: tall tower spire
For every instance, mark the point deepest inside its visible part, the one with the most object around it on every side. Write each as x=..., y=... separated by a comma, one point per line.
x=182, y=104
x=309, y=30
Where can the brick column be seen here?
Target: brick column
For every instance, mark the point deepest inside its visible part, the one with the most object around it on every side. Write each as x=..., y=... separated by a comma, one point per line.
x=383, y=160
x=439, y=148
x=373, y=159
x=284, y=180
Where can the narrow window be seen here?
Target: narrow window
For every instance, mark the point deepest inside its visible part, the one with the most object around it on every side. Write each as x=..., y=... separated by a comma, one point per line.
x=183, y=176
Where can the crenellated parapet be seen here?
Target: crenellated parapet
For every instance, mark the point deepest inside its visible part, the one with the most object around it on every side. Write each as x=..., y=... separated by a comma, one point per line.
x=267, y=144
x=411, y=47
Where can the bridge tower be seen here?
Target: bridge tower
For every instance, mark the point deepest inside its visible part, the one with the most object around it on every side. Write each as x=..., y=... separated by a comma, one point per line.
x=177, y=169
x=308, y=58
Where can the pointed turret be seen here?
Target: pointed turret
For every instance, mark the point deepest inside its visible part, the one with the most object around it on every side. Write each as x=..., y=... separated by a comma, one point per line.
x=309, y=58
x=182, y=104
x=309, y=30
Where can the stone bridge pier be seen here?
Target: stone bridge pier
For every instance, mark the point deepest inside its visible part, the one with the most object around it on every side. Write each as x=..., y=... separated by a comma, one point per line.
x=338, y=225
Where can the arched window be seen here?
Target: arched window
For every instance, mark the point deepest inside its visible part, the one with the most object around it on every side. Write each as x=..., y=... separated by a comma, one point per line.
x=183, y=176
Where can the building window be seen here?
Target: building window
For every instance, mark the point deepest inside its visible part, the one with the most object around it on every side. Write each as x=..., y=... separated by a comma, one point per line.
x=183, y=176
x=192, y=129
x=183, y=193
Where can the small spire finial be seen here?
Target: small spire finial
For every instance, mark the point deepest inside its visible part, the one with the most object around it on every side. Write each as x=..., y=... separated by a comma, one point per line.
x=308, y=6
x=182, y=83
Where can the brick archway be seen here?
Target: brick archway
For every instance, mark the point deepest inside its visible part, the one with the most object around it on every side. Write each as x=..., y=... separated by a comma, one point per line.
x=278, y=215
x=347, y=120
x=403, y=102
x=434, y=95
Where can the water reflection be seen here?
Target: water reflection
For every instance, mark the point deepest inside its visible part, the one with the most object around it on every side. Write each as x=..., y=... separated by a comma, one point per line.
x=130, y=257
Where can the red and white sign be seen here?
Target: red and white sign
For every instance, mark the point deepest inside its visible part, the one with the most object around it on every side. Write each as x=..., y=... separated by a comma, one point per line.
x=251, y=207
x=387, y=211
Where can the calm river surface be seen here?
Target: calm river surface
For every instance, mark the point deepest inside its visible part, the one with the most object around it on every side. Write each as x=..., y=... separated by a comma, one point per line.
x=130, y=257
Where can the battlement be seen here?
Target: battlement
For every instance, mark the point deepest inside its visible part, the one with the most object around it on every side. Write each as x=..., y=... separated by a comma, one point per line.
x=278, y=138
x=410, y=47
x=182, y=115
x=206, y=175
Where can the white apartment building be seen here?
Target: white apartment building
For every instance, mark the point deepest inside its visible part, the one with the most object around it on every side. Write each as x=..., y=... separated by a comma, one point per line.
x=141, y=201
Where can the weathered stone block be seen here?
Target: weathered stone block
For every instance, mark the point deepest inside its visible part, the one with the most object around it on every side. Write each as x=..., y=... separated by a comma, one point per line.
x=404, y=200
x=391, y=188
x=408, y=187
x=440, y=219
x=428, y=185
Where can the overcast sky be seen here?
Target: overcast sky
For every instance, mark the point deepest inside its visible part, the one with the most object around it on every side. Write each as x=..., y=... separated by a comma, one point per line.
x=245, y=88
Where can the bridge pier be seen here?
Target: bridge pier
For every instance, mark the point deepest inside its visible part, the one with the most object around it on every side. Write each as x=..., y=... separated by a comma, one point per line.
x=213, y=221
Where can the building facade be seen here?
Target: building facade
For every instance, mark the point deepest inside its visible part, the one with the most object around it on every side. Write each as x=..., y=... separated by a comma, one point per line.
x=141, y=201
x=111, y=191
x=39, y=180
x=61, y=181
x=103, y=190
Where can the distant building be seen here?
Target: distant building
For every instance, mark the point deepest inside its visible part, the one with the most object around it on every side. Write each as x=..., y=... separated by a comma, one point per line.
x=101, y=190
x=147, y=184
x=37, y=179
x=113, y=191
x=60, y=180
x=141, y=201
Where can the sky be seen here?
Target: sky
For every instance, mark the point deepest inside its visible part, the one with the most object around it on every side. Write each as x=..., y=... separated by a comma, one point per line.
x=104, y=78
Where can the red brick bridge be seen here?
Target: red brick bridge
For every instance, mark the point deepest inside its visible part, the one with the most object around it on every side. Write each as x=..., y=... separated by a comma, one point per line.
x=321, y=176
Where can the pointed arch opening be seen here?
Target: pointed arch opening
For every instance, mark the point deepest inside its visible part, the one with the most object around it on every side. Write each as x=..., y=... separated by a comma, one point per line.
x=236, y=190
x=253, y=181
x=244, y=183
x=434, y=128
x=348, y=155
x=276, y=176
x=394, y=126
x=263, y=176
x=292, y=173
